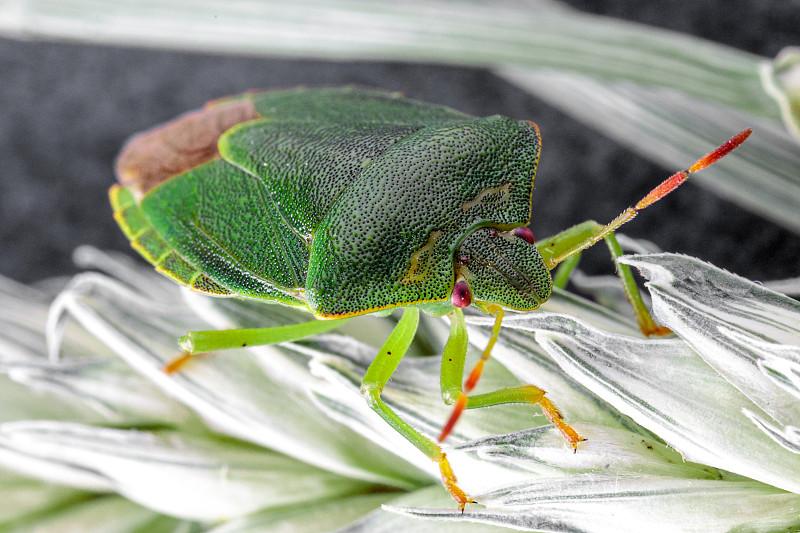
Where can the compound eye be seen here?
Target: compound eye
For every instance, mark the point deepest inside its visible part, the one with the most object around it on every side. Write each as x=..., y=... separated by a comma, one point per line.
x=461, y=296
x=525, y=234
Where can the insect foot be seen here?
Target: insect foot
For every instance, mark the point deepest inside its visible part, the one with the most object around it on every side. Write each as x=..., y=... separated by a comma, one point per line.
x=554, y=416
x=451, y=483
x=174, y=365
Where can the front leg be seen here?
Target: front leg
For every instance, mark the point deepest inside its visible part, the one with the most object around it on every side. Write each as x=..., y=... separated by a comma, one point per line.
x=564, y=248
x=454, y=393
x=378, y=374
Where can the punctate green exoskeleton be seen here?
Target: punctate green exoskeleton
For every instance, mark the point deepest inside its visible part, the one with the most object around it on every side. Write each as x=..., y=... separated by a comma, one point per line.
x=344, y=202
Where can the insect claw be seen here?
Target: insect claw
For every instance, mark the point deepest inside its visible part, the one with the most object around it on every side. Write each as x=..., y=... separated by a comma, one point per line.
x=451, y=483
x=176, y=364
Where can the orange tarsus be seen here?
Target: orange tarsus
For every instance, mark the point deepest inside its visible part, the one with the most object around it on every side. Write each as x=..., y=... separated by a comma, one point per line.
x=451, y=483
x=554, y=416
x=176, y=364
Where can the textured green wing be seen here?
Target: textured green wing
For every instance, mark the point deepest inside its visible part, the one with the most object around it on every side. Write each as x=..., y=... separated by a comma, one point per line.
x=222, y=220
x=244, y=225
x=306, y=166
x=312, y=143
x=152, y=247
x=348, y=105
x=389, y=239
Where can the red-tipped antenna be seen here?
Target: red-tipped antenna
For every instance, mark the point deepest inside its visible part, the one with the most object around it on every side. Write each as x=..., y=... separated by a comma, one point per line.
x=663, y=189
x=672, y=183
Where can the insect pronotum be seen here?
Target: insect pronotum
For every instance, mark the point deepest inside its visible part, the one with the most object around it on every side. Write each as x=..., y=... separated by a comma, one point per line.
x=343, y=202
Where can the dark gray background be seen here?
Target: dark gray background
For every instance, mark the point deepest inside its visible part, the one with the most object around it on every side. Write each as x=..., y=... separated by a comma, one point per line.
x=66, y=109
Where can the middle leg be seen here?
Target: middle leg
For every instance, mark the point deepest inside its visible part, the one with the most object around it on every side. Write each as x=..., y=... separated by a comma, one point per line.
x=454, y=393
x=375, y=379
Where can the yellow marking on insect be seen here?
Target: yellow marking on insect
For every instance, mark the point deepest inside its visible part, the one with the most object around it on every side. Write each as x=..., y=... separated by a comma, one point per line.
x=504, y=191
x=161, y=258
x=206, y=285
x=129, y=232
x=398, y=305
x=419, y=264
x=170, y=274
x=123, y=224
x=121, y=198
x=136, y=245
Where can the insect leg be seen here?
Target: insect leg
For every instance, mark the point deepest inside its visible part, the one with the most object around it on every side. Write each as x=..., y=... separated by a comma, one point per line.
x=197, y=342
x=564, y=271
x=455, y=352
x=528, y=394
x=572, y=239
x=452, y=373
x=378, y=374
x=646, y=323
x=568, y=243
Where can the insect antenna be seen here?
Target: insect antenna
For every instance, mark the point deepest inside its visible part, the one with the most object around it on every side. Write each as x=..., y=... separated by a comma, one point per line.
x=663, y=189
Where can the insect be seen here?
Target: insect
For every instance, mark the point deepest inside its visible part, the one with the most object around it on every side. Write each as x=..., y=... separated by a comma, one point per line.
x=343, y=202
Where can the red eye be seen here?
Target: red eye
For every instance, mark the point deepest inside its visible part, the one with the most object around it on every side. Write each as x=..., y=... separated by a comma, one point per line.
x=463, y=260
x=492, y=232
x=525, y=234
x=461, y=296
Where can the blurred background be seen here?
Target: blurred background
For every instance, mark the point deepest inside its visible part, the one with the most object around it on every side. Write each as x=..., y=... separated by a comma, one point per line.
x=66, y=108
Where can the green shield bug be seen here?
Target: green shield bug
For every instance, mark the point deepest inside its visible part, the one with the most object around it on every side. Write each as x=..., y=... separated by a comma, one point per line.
x=343, y=202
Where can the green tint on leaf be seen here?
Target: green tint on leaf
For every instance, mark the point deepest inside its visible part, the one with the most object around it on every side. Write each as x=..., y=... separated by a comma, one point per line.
x=106, y=514
x=326, y=515
x=267, y=405
x=667, y=388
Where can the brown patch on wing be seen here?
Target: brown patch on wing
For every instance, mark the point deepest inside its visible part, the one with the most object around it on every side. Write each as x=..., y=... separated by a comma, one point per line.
x=177, y=146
